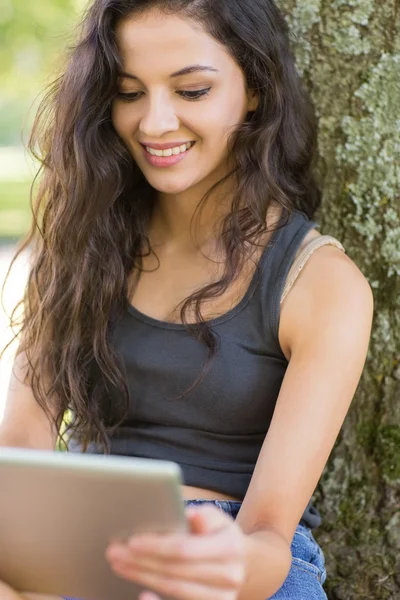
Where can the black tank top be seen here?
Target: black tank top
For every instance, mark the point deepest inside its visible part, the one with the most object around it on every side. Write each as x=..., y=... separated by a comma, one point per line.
x=216, y=431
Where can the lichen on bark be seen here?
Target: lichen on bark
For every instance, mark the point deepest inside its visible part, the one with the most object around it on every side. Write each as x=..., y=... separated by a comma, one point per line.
x=348, y=53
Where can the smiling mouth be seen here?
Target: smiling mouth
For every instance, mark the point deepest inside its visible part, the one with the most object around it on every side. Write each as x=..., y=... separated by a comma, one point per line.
x=176, y=151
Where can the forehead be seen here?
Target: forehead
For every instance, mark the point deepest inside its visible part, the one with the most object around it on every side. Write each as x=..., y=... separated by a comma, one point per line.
x=170, y=42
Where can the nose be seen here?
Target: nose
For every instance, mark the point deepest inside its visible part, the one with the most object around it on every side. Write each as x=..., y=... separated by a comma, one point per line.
x=158, y=117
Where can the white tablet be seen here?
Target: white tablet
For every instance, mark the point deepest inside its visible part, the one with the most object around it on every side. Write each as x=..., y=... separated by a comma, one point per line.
x=59, y=511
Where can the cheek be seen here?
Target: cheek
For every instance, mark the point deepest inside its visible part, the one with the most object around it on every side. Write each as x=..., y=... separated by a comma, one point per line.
x=121, y=120
x=224, y=117
x=213, y=126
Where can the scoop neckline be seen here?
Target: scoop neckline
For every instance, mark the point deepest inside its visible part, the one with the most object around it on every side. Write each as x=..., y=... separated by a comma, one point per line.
x=231, y=312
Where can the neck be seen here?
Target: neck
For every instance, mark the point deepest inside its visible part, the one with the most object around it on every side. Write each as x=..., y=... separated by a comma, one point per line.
x=175, y=222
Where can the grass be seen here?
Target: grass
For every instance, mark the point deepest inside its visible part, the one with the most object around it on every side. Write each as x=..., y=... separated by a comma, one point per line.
x=15, y=211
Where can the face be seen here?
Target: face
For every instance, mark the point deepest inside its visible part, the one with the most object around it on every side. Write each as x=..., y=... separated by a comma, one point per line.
x=157, y=106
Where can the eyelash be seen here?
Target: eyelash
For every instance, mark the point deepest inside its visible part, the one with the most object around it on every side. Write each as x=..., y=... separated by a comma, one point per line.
x=198, y=94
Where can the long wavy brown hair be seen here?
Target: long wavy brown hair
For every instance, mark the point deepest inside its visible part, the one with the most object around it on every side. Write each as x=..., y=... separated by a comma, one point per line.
x=92, y=204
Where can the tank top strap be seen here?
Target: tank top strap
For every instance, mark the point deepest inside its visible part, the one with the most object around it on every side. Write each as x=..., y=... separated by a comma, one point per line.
x=304, y=256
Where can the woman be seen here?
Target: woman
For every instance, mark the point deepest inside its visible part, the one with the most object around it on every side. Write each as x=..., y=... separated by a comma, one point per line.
x=177, y=197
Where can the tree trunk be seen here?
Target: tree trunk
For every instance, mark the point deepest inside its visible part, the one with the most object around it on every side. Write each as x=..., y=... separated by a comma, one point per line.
x=349, y=55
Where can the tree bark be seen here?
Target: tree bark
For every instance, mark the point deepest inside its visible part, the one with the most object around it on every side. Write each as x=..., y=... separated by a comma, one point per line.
x=349, y=55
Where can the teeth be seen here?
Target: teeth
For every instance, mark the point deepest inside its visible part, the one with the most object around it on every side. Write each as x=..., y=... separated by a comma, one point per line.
x=170, y=151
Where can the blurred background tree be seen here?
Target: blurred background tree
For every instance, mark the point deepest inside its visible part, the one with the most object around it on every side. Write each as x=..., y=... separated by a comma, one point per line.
x=31, y=36
x=349, y=55
x=31, y=33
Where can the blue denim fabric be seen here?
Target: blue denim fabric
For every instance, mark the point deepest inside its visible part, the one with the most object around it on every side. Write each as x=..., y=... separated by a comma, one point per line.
x=307, y=573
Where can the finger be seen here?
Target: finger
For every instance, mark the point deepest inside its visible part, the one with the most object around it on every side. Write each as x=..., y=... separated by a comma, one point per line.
x=224, y=545
x=195, y=523
x=181, y=589
x=148, y=596
x=222, y=575
x=32, y=596
x=206, y=519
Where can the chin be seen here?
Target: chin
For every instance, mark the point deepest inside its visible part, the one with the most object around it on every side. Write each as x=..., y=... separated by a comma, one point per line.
x=161, y=184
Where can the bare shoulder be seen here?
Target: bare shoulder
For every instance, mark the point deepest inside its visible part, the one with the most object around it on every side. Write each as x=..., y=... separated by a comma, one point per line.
x=326, y=324
x=330, y=286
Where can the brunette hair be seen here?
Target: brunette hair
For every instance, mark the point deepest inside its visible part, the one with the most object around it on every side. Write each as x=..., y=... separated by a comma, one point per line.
x=92, y=203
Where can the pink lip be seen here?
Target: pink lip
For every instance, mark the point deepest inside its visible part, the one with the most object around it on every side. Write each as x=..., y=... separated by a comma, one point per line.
x=165, y=161
x=163, y=146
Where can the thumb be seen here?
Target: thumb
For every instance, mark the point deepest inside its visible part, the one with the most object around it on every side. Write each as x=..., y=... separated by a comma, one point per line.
x=207, y=519
x=195, y=520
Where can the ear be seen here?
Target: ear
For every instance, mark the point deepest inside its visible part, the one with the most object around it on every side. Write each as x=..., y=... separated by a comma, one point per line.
x=252, y=101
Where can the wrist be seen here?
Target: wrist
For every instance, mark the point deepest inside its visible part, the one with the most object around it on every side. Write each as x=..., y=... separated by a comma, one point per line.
x=268, y=559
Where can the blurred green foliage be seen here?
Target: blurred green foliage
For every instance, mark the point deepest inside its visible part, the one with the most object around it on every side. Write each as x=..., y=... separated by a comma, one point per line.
x=32, y=38
x=15, y=213
x=32, y=35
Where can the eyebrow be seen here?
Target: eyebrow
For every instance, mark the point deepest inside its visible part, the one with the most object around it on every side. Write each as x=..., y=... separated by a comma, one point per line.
x=184, y=71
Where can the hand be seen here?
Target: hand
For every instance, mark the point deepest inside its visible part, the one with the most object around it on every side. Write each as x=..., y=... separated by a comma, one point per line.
x=8, y=593
x=208, y=563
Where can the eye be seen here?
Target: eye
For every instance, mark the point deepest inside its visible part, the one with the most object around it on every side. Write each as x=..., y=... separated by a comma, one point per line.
x=128, y=97
x=192, y=95
x=195, y=95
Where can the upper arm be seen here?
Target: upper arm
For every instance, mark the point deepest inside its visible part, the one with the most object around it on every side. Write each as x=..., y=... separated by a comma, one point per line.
x=327, y=321
x=25, y=423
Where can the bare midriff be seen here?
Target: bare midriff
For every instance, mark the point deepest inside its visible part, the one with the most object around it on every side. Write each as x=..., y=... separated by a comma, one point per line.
x=194, y=493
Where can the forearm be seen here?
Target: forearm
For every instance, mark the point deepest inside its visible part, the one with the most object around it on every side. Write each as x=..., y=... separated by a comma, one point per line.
x=11, y=437
x=268, y=561
x=14, y=440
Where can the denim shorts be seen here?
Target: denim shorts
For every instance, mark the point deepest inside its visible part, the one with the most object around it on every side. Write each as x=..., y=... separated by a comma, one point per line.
x=307, y=573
